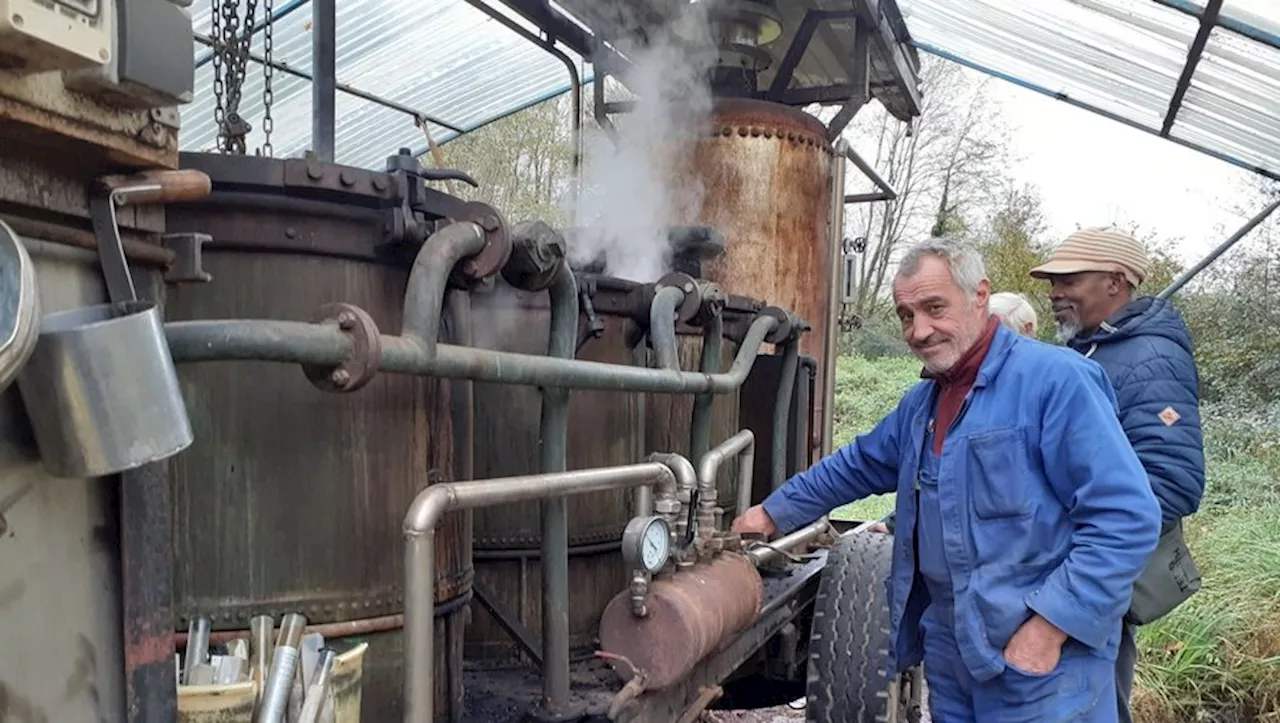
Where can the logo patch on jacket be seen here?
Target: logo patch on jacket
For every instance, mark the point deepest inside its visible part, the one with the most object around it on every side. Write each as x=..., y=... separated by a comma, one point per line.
x=1169, y=416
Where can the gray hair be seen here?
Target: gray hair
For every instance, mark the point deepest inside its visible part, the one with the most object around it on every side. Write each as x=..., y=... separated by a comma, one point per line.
x=1014, y=311
x=966, y=265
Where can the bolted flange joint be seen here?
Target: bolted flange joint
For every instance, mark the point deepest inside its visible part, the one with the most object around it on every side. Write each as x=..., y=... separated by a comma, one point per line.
x=537, y=250
x=688, y=308
x=366, y=342
x=789, y=325
x=473, y=271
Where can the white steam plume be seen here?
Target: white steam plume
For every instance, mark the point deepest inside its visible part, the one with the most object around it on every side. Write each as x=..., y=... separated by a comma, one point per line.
x=634, y=189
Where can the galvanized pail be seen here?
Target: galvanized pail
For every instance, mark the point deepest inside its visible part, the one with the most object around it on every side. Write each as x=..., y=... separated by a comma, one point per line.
x=102, y=392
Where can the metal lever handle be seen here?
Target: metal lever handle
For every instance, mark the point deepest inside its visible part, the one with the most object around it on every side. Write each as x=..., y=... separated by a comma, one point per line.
x=447, y=174
x=158, y=187
x=146, y=187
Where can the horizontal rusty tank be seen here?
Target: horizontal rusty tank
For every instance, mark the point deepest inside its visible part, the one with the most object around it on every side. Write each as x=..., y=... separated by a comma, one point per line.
x=767, y=171
x=605, y=428
x=292, y=499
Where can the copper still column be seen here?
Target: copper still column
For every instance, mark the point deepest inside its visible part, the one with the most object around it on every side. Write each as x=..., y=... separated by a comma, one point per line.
x=766, y=171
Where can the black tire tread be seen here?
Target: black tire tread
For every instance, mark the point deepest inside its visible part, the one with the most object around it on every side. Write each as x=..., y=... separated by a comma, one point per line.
x=848, y=673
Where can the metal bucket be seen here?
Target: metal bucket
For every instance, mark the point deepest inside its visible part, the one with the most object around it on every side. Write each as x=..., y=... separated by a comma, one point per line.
x=100, y=387
x=101, y=391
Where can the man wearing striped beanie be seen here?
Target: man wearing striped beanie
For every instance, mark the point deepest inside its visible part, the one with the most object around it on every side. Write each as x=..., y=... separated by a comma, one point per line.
x=1145, y=347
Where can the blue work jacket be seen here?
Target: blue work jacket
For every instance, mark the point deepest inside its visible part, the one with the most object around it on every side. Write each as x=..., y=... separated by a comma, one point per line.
x=1045, y=507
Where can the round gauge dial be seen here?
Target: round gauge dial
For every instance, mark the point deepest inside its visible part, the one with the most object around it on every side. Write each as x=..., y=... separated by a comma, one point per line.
x=646, y=543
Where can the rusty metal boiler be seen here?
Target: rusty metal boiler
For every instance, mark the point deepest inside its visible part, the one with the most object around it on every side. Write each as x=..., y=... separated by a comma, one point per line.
x=767, y=173
x=292, y=499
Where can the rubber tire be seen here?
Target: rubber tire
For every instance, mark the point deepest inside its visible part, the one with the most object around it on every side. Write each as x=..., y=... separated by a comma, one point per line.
x=848, y=677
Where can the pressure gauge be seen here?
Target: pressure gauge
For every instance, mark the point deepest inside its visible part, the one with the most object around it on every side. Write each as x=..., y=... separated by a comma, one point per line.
x=646, y=543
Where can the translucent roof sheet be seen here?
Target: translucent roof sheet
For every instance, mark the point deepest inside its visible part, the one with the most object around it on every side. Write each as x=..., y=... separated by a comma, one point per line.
x=1128, y=60
x=1212, y=83
x=442, y=58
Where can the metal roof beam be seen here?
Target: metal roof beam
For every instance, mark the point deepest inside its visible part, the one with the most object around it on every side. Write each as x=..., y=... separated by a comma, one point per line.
x=343, y=87
x=1207, y=21
x=885, y=43
x=945, y=55
x=1252, y=32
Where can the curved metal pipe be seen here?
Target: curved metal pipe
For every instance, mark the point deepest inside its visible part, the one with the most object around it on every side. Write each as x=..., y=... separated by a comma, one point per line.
x=764, y=554
x=700, y=424
x=420, y=524
x=743, y=445
x=782, y=413
x=327, y=345
x=662, y=326
x=429, y=278
x=554, y=426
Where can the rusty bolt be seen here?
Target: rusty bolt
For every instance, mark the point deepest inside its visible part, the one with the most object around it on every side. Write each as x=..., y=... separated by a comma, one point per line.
x=340, y=377
x=347, y=179
x=346, y=320
x=291, y=232
x=379, y=183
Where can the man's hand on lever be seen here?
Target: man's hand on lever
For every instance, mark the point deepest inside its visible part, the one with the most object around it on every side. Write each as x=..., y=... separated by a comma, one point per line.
x=755, y=520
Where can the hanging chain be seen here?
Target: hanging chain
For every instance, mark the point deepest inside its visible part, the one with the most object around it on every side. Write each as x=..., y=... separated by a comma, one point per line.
x=233, y=46
x=267, y=95
x=215, y=31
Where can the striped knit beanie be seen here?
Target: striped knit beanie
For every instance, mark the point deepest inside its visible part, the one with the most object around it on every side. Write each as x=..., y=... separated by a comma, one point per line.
x=1098, y=249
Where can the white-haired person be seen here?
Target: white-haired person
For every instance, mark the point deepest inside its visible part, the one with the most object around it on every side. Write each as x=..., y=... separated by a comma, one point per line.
x=1015, y=312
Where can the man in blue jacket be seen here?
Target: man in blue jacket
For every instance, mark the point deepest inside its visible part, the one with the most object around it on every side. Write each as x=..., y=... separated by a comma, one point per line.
x=1145, y=348
x=1023, y=515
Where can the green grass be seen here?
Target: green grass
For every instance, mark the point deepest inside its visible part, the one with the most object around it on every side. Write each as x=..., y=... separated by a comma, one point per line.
x=865, y=392
x=1217, y=658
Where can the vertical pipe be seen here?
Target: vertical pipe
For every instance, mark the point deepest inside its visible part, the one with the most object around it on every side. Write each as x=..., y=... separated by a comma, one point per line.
x=324, y=46
x=555, y=514
x=830, y=345
x=146, y=561
x=419, y=625
x=644, y=493
x=782, y=411
x=662, y=326
x=700, y=425
x=459, y=309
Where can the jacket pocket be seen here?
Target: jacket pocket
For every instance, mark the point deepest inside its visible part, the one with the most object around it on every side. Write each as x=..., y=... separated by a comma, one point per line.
x=1000, y=474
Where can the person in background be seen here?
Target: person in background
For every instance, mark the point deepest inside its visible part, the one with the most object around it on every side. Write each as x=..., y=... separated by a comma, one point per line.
x=1026, y=516
x=1145, y=347
x=1016, y=313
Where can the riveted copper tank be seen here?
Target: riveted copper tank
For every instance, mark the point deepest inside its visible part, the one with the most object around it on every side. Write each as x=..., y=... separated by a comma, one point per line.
x=292, y=499
x=766, y=170
x=605, y=428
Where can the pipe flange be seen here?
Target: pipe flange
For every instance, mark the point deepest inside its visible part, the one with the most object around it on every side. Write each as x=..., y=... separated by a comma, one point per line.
x=471, y=271
x=537, y=250
x=786, y=324
x=688, y=309
x=366, y=341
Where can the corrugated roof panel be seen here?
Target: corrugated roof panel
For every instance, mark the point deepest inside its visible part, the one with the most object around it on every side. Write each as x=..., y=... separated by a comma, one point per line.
x=1261, y=14
x=1122, y=56
x=443, y=58
x=1233, y=103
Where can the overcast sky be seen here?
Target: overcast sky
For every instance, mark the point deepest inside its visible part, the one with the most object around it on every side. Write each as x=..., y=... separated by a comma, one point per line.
x=1093, y=171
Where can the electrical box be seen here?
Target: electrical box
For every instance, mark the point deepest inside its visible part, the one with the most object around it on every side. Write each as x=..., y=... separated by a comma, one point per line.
x=43, y=35
x=151, y=65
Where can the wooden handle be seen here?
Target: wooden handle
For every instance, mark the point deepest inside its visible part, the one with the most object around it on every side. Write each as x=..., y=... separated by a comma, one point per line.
x=160, y=186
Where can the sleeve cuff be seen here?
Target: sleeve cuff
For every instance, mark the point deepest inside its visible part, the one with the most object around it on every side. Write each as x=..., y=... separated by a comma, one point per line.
x=784, y=514
x=1060, y=608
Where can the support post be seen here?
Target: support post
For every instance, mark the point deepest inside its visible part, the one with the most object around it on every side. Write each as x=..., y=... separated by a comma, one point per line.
x=324, y=46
